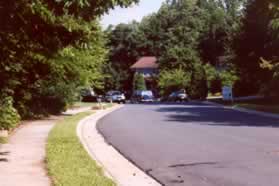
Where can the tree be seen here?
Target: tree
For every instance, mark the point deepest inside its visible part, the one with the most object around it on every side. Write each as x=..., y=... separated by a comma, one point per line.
x=255, y=41
x=183, y=34
x=139, y=82
x=173, y=80
x=123, y=43
x=49, y=49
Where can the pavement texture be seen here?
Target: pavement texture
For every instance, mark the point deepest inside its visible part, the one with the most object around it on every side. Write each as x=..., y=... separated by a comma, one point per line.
x=22, y=159
x=115, y=166
x=196, y=144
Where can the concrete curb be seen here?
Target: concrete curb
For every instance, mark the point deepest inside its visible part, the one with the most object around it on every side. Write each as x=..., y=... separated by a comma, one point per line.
x=117, y=167
x=264, y=114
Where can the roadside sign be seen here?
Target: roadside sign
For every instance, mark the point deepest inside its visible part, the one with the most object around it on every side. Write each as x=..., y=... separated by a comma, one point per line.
x=227, y=93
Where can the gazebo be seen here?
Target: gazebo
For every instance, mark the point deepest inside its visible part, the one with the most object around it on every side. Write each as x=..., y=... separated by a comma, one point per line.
x=147, y=66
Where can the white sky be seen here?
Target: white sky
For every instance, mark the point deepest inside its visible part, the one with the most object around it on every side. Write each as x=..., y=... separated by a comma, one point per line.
x=136, y=12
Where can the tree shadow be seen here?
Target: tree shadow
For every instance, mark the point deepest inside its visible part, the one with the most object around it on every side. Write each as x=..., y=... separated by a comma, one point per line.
x=3, y=160
x=202, y=114
x=4, y=153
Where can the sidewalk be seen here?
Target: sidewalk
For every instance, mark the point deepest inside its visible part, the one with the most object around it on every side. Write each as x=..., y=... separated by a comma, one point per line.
x=22, y=159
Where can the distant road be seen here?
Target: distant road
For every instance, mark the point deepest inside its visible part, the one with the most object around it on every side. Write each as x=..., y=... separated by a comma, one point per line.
x=196, y=144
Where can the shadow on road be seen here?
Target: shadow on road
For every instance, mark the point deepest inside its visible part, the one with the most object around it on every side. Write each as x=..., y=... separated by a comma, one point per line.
x=202, y=114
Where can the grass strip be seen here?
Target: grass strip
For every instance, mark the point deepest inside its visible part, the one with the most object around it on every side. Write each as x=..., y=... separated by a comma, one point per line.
x=68, y=162
x=84, y=104
x=262, y=105
x=263, y=108
x=3, y=140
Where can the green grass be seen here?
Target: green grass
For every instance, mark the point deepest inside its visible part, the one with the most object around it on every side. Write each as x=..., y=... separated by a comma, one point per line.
x=263, y=105
x=264, y=108
x=83, y=104
x=90, y=104
x=67, y=161
x=3, y=140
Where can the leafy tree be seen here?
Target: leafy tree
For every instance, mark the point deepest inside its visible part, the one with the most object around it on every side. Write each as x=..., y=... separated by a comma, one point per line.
x=9, y=117
x=139, y=82
x=216, y=79
x=49, y=49
x=123, y=43
x=173, y=80
x=198, y=88
x=255, y=41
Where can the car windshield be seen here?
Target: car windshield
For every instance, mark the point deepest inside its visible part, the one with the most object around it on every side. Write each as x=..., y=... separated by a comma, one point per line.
x=113, y=93
x=181, y=92
x=116, y=93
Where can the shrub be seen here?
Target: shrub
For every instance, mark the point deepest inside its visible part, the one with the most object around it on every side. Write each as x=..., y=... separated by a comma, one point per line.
x=9, y=117
x=173, y=80
x=198, y=88
x=139, y=82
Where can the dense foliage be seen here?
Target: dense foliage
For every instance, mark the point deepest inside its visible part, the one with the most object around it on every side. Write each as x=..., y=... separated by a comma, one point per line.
x=222, y=42
x=9, y=118
x=139, y=82
x=173, y=80
x=183, y=35
x=49, y=49
x=258, y=38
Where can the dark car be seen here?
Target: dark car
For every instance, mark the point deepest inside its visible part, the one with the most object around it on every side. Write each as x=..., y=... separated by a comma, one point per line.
x=88, y=95
x=178, y=96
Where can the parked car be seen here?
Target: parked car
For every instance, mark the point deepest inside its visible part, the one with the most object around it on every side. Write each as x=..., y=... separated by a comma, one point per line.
x=147, y=99
x=142, y=96
x=88, y=95
x=178, y=96
x=115, y=96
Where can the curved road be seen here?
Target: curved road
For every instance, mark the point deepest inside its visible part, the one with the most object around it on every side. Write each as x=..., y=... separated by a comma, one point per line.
x=196, y=144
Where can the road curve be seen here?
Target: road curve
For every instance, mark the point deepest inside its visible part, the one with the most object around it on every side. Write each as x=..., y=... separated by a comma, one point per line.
x=196, y=144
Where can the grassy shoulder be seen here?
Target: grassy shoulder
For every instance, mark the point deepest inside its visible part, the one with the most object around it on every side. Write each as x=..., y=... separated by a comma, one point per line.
x=262, y=105
x=80, y=104
x=263, y=108
x=91, y=104
x=68, y=162
x=3, y=140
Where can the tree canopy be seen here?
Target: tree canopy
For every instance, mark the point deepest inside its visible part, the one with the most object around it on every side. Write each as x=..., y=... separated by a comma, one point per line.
x=49, y=49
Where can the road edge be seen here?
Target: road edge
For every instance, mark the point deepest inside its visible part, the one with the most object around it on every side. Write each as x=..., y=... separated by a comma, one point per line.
x=249, y=111
x=114, y=164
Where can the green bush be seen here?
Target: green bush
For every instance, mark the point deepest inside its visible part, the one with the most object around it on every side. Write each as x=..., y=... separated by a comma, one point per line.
x=173, y=80
x=139, y=82
x=198, y=88
x=215, y=85
x=9, y=117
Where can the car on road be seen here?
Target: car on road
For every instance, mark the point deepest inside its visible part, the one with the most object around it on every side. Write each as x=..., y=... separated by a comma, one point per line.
x=147, y=99
x=115, y=96
x=180, y=96
x=142, y=96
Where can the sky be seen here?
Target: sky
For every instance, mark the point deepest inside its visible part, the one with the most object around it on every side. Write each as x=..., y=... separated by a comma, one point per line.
x=136, y=12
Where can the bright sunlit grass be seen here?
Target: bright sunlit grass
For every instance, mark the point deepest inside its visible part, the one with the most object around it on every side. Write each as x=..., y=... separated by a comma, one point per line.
x=67, y=161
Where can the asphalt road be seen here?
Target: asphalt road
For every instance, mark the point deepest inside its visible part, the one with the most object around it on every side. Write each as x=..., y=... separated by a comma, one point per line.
x=196, y=144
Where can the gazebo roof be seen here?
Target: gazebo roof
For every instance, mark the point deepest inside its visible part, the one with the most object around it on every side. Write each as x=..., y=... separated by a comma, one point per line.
x=146, y=62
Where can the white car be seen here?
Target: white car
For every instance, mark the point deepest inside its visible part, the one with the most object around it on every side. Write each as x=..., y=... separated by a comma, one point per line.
x=115, y=96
